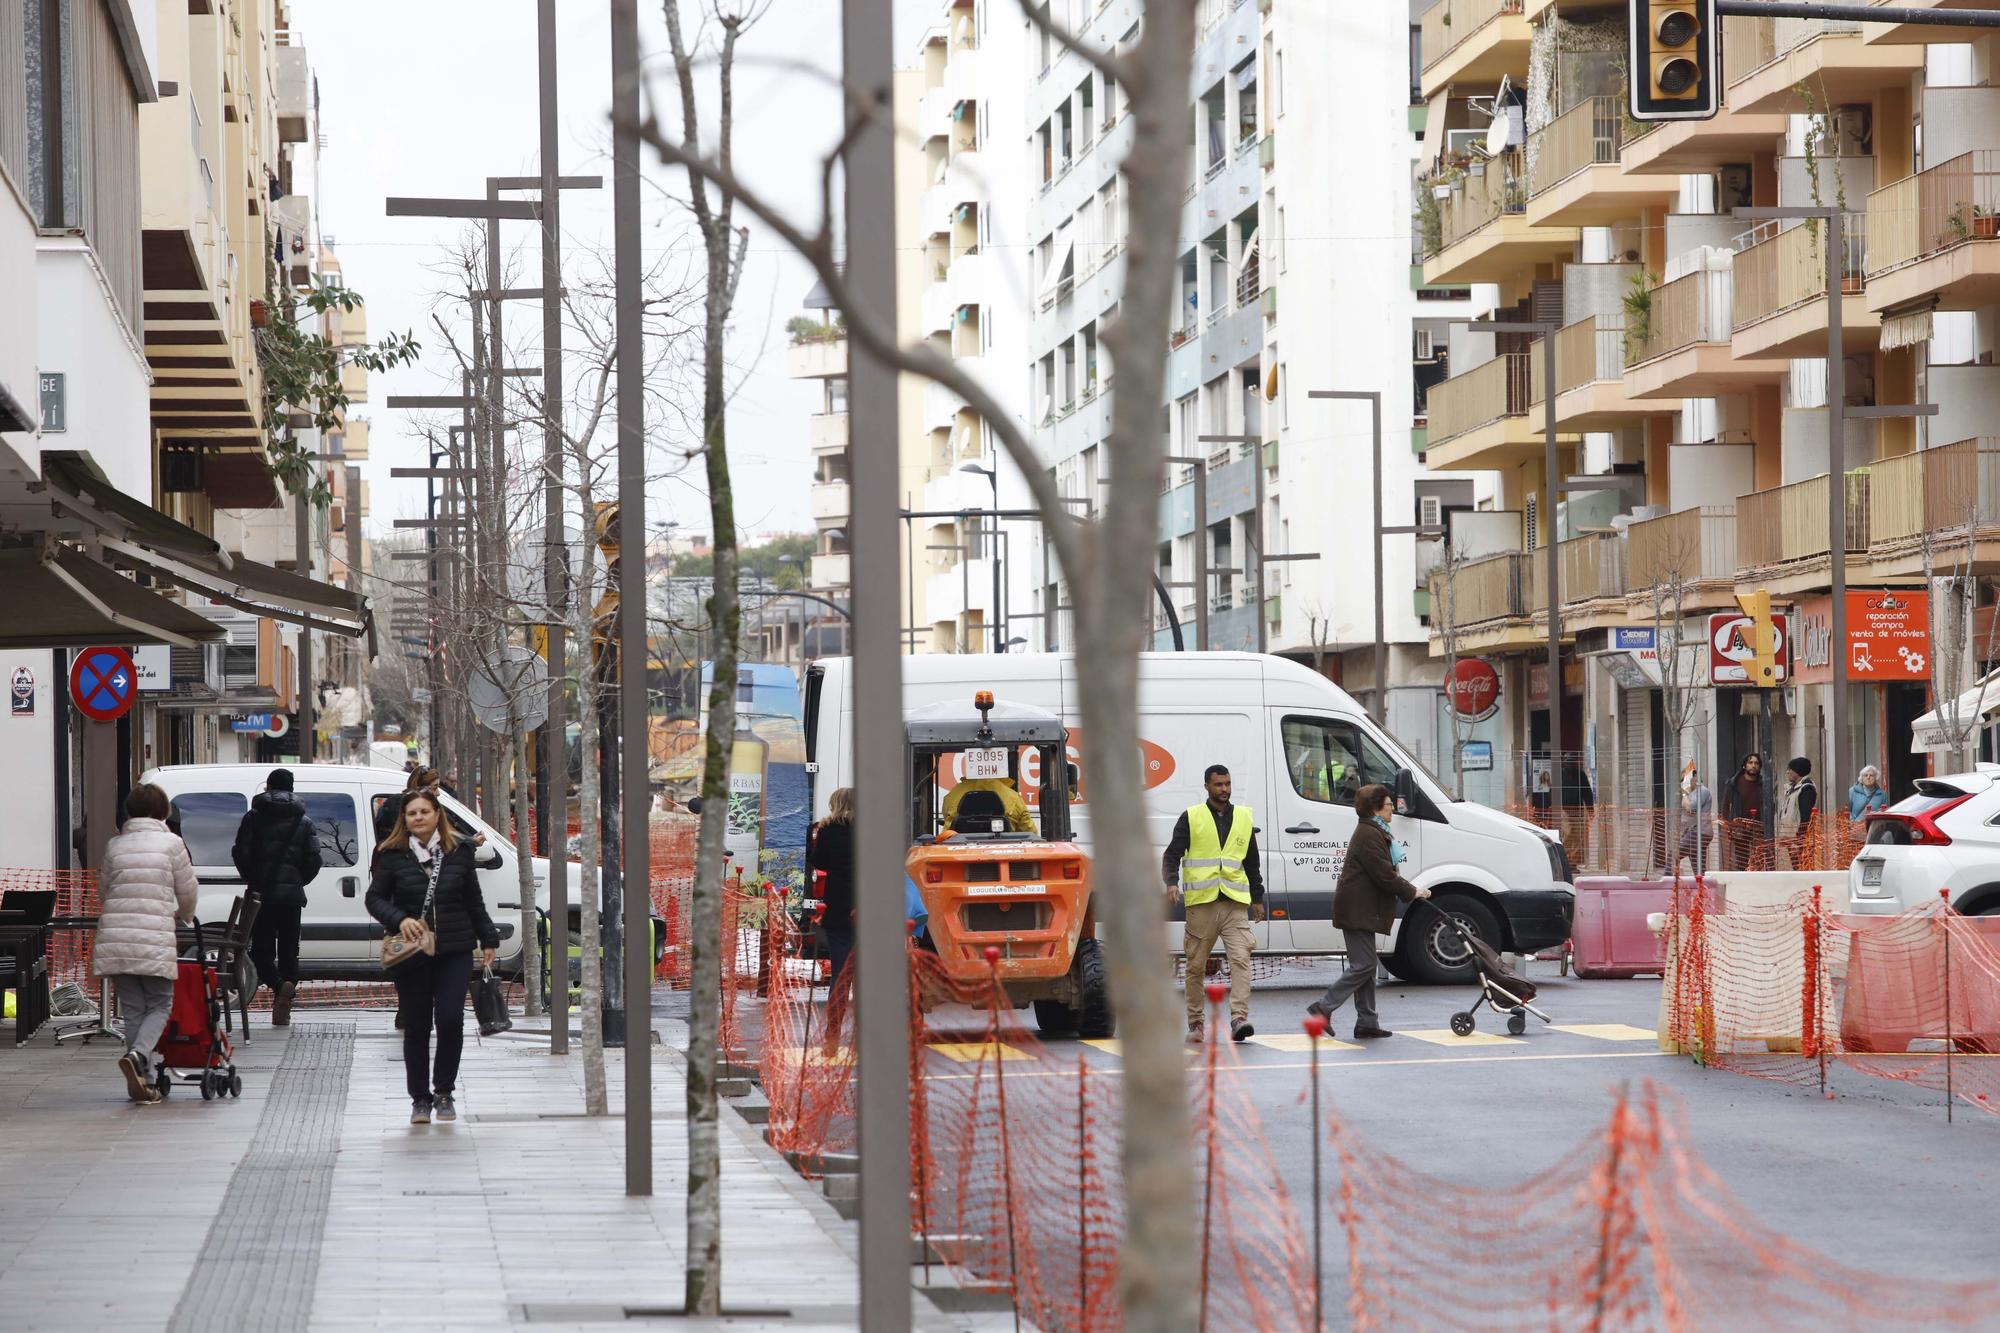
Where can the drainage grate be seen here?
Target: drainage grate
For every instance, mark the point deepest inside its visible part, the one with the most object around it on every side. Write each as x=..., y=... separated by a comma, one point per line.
x=257, y=1267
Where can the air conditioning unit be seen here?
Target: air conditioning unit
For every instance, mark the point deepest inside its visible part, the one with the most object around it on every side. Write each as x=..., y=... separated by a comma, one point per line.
x=1850, y=131
x=1422, y=347
x=1430, y=511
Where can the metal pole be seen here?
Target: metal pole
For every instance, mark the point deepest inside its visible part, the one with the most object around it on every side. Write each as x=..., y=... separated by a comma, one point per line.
x=881, y=990
x=1257, y=567
x=554, y=749
x=1381, y=576
x=1836, y=503
x=993, y=475
x=1201, y=576
x=1550, y=535
x=301, y=504
x=632, y=599
x=1799, y=9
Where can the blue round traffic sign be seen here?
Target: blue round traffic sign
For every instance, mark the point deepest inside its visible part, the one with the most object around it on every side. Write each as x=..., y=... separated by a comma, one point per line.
x=103, y=682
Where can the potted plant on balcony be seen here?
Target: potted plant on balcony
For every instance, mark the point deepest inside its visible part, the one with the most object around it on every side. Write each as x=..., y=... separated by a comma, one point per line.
x=1638, y=302
x=1985, y=223
x=260, y=315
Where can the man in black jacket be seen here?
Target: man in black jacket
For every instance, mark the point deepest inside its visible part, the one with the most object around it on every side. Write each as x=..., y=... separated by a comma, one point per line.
x=277, y=854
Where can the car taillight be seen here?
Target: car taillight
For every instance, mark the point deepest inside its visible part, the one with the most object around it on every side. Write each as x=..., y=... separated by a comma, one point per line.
x=1072, y=870
x=933, y=874
x=1914, y=830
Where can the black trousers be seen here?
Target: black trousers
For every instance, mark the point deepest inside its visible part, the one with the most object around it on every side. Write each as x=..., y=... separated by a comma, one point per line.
x=274, y=943
x=1357, y=981
x=431, y=989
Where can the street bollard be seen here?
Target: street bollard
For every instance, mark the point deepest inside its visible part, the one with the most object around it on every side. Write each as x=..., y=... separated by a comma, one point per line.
x=1316, y=1028
x=992, y=953
x=1215, y=990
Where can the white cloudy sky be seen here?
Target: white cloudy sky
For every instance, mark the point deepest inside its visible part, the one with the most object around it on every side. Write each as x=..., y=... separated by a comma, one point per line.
x=430, y=97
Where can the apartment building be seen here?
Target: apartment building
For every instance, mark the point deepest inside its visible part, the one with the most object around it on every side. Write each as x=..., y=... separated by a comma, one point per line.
x=1691, y=369
x=1295, y=276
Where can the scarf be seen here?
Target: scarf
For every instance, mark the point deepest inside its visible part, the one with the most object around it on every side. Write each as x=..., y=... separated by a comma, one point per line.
x=424, y=851
x=1398, y=853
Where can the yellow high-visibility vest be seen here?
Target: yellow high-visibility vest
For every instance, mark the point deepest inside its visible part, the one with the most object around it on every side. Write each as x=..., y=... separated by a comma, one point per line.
x=1212, y=866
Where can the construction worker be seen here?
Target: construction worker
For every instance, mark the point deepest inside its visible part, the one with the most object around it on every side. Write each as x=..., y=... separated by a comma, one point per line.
x=1011, y=804
x=1211, y=865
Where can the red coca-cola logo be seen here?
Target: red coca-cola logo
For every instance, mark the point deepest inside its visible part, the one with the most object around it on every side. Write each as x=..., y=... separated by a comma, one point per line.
x=1474, y=689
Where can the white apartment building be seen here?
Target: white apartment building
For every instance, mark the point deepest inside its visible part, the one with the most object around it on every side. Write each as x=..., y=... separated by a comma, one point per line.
x=1296, y=274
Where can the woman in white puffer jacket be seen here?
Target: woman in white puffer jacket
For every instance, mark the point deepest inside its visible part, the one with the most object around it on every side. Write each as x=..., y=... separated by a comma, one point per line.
x=148, y=885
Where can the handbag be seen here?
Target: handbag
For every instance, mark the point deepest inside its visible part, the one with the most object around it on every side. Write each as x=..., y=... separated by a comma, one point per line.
x=489, y=1004
x=395, y=948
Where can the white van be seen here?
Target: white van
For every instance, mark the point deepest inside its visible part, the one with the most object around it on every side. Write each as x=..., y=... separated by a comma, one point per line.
x=1266, y=719
x=338, y=940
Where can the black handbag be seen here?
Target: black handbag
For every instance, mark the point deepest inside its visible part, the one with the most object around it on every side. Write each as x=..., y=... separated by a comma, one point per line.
x=489, y=1003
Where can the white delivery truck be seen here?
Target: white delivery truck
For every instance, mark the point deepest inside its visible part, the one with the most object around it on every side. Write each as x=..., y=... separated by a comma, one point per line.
x=1298, y=747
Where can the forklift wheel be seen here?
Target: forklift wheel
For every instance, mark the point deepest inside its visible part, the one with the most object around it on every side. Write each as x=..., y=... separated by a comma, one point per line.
x=1461, y=1024
x=1517, y=1022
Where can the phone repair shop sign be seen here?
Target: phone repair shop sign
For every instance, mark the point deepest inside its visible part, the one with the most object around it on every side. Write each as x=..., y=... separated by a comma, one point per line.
x=1889, y=635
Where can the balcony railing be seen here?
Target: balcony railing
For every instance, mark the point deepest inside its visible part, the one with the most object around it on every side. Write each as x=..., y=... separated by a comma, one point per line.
x=1585, y=135
x=1588, y=351
x=1480, y=396
x=1592, y=566
x=1693, y=546
x=1783, y=270
x=1688, y=311
x=1449, y=22
x=1789, y=523
x=1937, y=490
x=1920, y=215
x=1480, y=591
x=1753, y=43
x=1475, y=201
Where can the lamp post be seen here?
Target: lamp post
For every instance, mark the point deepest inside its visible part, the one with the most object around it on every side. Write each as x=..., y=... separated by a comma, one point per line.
x=992, y=474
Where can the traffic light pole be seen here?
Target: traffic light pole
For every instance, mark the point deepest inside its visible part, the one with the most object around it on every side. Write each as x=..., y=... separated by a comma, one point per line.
x=1788, y=9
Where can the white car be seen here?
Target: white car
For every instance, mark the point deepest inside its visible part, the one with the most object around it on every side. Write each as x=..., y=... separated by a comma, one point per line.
x=1944, y=836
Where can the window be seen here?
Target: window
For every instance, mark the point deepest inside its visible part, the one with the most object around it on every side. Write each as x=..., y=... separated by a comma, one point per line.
x=459, y=823
x=208, y=824
x=1284, y=247
x=1332, y=761
x=332, y=814
x=1278, y=79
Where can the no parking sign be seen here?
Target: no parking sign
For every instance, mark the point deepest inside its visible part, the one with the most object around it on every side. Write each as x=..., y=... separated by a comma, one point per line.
x=102, y=683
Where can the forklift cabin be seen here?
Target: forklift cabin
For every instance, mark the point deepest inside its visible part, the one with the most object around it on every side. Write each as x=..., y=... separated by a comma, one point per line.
x=989, y=885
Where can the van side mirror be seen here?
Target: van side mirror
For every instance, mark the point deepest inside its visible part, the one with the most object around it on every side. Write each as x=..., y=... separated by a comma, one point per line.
x=488, y=859
x=1403, y=787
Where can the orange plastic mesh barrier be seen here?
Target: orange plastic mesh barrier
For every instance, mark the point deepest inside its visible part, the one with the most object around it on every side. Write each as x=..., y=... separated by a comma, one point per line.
x=1633, y=840
x=1799, y=993
x=76, y=896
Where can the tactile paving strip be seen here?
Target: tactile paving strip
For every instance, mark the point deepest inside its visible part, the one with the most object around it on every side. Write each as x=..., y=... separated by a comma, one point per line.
x=257, y=1269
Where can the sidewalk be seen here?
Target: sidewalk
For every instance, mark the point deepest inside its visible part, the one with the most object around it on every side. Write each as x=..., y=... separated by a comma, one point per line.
x=312, y=1203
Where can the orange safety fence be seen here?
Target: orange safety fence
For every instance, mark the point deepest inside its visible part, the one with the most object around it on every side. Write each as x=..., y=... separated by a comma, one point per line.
x=1628, y=840
x=76, y=900
x=1796, y=992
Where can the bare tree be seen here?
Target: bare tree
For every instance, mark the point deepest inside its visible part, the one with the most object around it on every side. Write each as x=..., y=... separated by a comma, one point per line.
x=1948, y=554
x=1680, y=691
x=1107, y=589
x=1444, y=619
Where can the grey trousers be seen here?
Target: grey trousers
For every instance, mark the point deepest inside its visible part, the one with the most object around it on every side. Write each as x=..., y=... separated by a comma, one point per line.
x=1358, y=981
x=144, y=1002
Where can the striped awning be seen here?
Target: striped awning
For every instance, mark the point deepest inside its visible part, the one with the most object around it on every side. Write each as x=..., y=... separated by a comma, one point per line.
x=1906, y=330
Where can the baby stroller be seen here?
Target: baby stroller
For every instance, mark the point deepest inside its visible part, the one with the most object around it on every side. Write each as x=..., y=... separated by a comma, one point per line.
x=195, y=1040
x=1508, y=994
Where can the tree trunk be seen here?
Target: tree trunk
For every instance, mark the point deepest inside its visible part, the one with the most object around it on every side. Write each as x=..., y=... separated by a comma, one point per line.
x=594, y=1100
x=530, y=936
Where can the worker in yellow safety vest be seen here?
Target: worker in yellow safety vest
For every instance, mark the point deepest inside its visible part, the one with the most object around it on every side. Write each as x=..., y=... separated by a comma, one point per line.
x=1211, y=865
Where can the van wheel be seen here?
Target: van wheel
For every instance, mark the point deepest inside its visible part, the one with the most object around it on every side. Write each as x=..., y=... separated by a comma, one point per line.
x=1055, y=1018
x=1094, y=1018
x=1427, y=951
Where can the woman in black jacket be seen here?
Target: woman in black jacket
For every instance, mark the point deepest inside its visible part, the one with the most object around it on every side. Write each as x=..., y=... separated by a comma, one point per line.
x=1364, y=906
x=424, y=879
x=832, y=851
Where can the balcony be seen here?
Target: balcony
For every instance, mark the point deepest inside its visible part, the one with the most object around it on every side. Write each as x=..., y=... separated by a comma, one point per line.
x=1574, y=179
x=1680, y=347
x=1942, y=491
x=1780, y=297
x=1695, y=546
x=1789, y=524
x=826, y=433
x=1474, y=42
x=1479, y=419
x=1689, y=147
x=1919, y=34
x=816, y=360
x=1592, y=569
x=1590, y=377
x=1483, y=591
x=830, y=502
x=830, y=570
x=1771, y=59
x=1483, y=232
x=1929, y=233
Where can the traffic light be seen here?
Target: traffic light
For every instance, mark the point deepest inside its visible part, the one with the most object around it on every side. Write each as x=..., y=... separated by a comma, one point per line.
x=1761, y=671
x=1673, y=60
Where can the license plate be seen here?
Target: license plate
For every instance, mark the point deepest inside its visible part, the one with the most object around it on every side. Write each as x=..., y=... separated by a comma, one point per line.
x=1003, y=890
x=986, y=763
x=1871, y=874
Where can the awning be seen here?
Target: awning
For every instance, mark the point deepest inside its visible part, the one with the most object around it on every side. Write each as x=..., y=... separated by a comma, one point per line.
x=1434, y=133
x=52, y=596
x=1906, y=330
x=1974, y=708
x=85, y=494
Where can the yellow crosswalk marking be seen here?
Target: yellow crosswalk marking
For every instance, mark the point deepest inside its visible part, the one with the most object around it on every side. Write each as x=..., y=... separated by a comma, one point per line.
x=819, y=1055
x=1299, y=1041
x=971, y=1052
x=1109, y=1045
x=1446, y=1037
x=1607, y=1031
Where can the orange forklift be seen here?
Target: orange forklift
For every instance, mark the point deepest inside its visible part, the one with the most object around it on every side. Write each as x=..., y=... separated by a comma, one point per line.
x=992, y=853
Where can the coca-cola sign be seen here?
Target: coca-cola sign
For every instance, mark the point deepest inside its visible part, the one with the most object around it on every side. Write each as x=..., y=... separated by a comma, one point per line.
x=1473, y=689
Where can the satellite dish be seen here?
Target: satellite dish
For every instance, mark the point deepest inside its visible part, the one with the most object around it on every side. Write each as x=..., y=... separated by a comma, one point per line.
x=1501, y=131
x=513, y=671
x=1502, y=128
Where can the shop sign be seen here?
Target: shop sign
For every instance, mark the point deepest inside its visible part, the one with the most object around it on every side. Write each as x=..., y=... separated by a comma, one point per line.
x=155, y=664
x=1642, y=642
x=22, y=690
x=1473, y=689
x=1814, y=658
x=55, y=401
x=1729, y=650
x=1475, y=757
x=1888, y=635
x=1538, y=682
x=250, y=723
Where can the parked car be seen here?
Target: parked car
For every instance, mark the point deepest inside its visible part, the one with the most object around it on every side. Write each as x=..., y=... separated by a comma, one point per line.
x=1945, y=835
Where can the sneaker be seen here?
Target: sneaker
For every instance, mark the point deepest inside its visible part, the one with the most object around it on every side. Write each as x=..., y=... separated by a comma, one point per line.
x=1241, y=1030
x=134, y=1071
x=1371, y=1034
x=444, y=1109
x=281, y=1007
x=420, y=1113
x=1197, y=1032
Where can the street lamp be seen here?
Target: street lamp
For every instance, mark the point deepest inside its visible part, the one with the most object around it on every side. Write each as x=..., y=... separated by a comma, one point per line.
x=992, y=474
